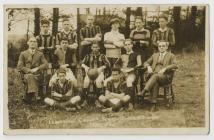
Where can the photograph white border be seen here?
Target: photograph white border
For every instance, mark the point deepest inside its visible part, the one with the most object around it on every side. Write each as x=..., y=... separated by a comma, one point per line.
x=125, y=131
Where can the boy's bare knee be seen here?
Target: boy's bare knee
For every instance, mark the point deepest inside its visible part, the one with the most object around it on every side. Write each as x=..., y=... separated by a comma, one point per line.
x=74, y=81
x=116, y=107
x=102, y=99
x=129, y=83
x=99, y=84
x=75, y=99
x=86, y=84
x=49, y=101
x=126, y=99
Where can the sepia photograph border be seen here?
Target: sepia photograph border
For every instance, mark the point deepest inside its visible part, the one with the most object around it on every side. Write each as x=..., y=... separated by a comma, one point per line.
x=169, y=131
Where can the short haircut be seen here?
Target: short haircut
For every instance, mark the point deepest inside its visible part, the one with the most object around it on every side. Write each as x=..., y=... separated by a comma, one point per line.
x=64, y=39
x=89, y=15
x=65, y=19
x=164, y=17
x=61, y=70
x=114, y=20
x=139, y=17
x=45, y=21
x=163, y=41
x=129, y=40
x=32, y=37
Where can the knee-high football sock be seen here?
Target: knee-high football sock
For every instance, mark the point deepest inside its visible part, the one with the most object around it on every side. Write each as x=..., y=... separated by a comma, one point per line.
x=131, y=93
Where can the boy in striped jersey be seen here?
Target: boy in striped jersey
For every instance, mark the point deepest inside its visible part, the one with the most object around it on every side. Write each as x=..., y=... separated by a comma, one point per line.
x=115, y=97
x=67, y=32
x=163, y=33
x=46, y=41
x=140, y=37
x=62, y=93
x=88, y=34
x=95, y=60
x=71, y=35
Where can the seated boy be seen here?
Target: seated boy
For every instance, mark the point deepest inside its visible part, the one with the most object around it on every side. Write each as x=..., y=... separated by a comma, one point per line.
x=134, y=61
x=62, y=94
x=69, y=76
x=115, y=97
x=130, y=61
x=63, y=58
x=94, y=60
x=159, y=65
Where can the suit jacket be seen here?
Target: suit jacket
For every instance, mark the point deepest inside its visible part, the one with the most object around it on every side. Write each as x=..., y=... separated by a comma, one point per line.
x=27, y=61
x=169, y=61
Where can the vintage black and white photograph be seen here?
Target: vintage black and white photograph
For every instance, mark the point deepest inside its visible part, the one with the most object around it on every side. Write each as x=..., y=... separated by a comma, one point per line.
x=106, y=69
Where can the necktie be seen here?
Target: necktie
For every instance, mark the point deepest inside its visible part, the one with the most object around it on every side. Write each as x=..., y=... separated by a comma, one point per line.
x=30, y=59
x=32, y=54
x=161, y=57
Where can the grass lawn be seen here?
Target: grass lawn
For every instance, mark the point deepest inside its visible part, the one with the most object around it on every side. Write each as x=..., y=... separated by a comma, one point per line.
x=188, y=111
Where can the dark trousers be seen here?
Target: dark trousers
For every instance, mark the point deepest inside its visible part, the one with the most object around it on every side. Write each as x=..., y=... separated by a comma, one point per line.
x=32, y=82
x=83, y=51
x=153, y=84
x=145, y=52
x=34, y=86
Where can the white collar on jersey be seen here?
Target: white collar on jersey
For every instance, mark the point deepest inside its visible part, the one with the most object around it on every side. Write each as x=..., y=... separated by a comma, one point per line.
x=163, y=30
x=142, y=29
x=48, y=33
x=115, y=32
x=129, y=52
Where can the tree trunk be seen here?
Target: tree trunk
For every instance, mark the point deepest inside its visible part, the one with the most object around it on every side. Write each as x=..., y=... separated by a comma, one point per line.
x=139, y=12
x=78, y=33
x=177, y=23
x=202, y=28
x=87, y=11
x=127, y=22
x=104, y=11
x=28, y=24
x=55, y=21
x=37, y=21
x=192, y=19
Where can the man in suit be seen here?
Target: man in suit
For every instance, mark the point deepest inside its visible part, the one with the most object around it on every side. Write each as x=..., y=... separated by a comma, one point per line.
x=31, y=63
x=159, y=65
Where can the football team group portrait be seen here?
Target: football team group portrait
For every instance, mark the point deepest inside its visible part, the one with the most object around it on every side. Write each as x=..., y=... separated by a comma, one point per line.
x=105, y=66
